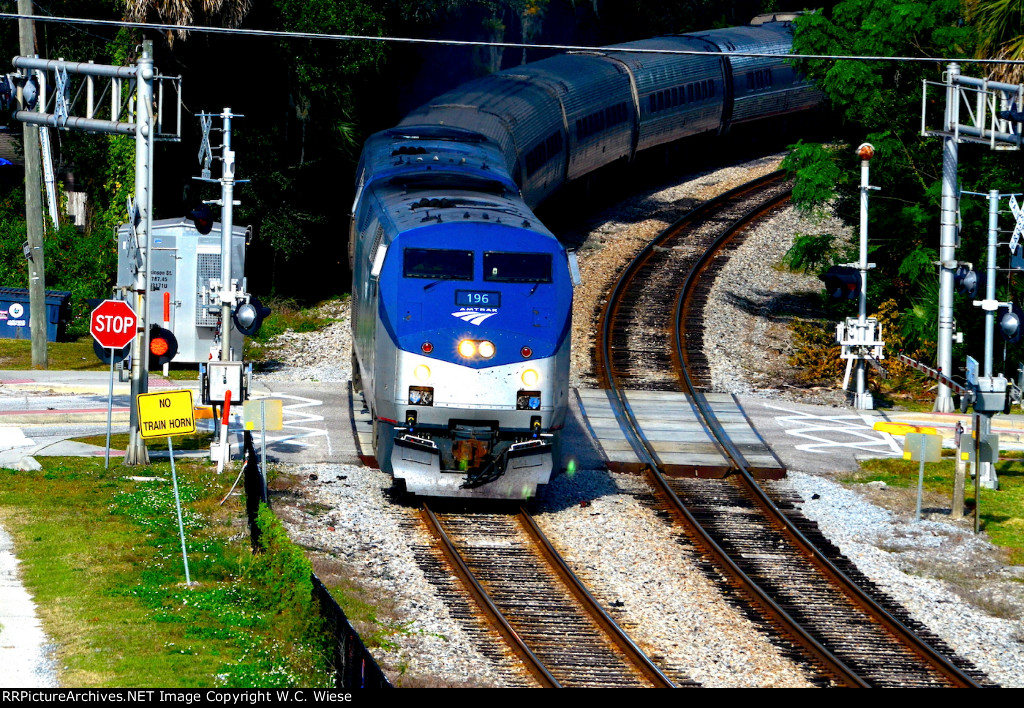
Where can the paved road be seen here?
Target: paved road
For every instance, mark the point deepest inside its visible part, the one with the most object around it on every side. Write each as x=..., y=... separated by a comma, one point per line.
x=40, y=409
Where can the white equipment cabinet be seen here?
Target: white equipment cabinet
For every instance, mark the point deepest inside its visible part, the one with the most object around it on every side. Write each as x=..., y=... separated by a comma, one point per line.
x=187, y=264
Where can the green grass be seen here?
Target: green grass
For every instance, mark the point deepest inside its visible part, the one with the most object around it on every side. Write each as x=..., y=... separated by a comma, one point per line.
x=78, y=355
x=101, y=555
x=1002, y=510
x=200, y=440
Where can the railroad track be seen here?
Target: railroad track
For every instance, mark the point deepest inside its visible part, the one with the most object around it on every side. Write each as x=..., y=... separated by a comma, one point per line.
x=533, y=600
x=852, y=635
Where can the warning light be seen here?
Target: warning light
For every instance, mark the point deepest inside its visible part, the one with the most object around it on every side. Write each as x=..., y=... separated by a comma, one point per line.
x=202, y=217
x=163, y=346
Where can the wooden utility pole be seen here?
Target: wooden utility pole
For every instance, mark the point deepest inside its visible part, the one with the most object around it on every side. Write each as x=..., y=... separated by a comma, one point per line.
x=33, y=211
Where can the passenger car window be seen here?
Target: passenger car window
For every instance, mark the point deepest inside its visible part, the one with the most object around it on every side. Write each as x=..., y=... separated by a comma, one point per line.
x=517, y=267
x=437, y=263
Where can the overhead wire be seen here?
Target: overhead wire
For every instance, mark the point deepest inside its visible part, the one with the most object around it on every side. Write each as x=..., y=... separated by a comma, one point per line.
x=283, y=34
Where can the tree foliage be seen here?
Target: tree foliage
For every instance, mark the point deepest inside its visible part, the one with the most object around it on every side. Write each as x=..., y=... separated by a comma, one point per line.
x=880, y=103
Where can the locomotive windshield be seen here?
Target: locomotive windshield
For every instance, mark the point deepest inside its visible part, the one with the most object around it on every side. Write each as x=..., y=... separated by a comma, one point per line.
x=438, y=264
x=517, y=267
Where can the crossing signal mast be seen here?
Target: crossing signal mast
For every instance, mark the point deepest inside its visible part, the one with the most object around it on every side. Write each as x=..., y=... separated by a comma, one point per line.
x=860, y=337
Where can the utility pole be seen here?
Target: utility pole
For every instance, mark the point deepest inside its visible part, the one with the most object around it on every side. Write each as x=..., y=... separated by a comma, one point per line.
x=33, y=210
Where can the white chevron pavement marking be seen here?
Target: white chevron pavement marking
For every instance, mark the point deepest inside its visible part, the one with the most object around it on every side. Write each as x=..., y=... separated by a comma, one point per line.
x=827, y=432
x=299, y=421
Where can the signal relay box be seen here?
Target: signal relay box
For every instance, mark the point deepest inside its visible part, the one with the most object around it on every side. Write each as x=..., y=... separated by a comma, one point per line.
x=218, y=378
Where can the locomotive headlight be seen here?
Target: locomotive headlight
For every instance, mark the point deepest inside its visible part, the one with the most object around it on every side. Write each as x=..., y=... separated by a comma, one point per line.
x=467, y=348
x=530, y=377
x=422, y=373
x=486, y=349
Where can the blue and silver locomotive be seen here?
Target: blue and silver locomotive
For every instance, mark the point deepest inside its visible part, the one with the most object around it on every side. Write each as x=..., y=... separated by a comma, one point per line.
x=462, y=299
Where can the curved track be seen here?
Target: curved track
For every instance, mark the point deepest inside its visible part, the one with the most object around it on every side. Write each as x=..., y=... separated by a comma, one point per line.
x=850, y=636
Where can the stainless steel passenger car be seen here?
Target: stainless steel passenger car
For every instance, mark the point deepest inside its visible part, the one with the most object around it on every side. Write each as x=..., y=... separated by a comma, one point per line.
x=446, y=252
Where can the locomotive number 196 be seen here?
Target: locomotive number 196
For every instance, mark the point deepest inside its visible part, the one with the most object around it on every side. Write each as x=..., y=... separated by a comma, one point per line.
x=477, y=298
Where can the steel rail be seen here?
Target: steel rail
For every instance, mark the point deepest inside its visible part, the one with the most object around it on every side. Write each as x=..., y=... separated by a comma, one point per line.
x=647, y=455
x=495, y=617
x=593, y=607
x=603, y=343
x=936, y=660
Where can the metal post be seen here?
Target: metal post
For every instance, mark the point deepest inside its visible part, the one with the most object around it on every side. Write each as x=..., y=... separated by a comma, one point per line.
x=977, y=474
x=34, y=209
x=227, y=192
x=866, y=151
x=920, y=478
x=110, y=408
x=177, y=504
x=947, y=245
x=136, y=453
x=985, y=424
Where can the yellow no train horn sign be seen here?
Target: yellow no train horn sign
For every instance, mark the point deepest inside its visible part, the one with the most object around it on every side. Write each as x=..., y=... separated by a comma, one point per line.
x=166, y=413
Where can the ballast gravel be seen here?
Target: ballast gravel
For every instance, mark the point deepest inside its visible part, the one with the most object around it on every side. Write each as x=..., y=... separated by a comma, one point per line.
x=645, y=576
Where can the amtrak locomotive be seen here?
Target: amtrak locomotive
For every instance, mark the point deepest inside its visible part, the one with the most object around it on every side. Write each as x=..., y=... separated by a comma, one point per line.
x=462, y=299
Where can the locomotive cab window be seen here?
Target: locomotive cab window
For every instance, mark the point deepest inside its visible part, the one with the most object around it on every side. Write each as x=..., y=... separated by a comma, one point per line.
x=437, y=263
x=517, y=267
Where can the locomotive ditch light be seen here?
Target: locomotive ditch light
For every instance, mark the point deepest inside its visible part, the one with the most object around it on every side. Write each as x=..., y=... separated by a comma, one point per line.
x=842, y=282
x=422, y=373
x=202, y=217
x=163, y=346
x=530, y=377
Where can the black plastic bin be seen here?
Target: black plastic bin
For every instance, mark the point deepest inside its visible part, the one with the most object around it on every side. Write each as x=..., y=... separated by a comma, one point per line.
x=14, y=314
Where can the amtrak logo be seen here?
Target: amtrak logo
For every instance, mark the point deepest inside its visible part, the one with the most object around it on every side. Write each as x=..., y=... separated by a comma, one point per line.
x=474, y=317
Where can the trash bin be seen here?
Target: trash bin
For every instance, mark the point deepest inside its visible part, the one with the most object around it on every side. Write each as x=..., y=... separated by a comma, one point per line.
x=14, y=314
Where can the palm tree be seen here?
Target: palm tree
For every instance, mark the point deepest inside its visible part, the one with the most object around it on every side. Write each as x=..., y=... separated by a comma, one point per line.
x=229, y=13
x=1000, y=27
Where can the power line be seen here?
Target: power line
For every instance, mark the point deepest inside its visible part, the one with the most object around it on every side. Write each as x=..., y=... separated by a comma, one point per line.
x=281, y=34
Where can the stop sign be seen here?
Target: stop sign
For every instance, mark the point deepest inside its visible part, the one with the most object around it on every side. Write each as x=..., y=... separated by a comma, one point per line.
x=113, y=324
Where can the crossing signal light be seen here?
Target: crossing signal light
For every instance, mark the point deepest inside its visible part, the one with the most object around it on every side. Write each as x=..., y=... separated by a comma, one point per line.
x=1011, y=324
x=249, y=316
x=8, y=92
x=842, y=282
x=163, y=346
x=202, y=217
x=968, y=282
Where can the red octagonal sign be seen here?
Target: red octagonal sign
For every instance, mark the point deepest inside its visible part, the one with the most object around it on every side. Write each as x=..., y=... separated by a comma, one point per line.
x=112, y=324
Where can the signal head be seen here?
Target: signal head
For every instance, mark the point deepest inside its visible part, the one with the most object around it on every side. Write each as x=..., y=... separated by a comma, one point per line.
x=842, y=282
x=1011, y=324
x=163, y=346
x=202, y=217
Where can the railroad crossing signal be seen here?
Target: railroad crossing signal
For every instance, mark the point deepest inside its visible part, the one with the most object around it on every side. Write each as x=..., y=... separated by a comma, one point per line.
x=1018, y=228
x=113, y=324
x=842, y=282
x=968, y=281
